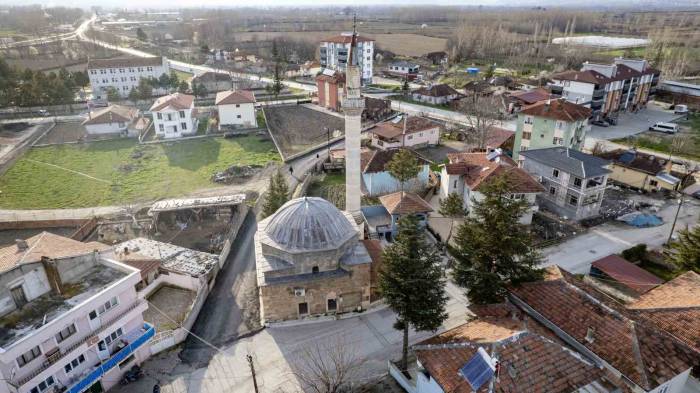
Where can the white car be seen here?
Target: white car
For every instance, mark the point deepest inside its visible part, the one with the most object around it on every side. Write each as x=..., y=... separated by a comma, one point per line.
x=680, y=109
x=669, y=128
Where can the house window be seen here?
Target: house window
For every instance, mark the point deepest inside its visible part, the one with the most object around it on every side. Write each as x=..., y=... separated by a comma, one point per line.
x=577, y=182
x=183, y=125
x=43, y=385
x=332, y=305
x=653, y=183
x=170, y=116
x=29, y=356
x=527, y=135
x=159, y=115
x=102, y=345
x=238, y=116
x=161, y=128
x=455, y=185
x=410, y=137
x=573, y=200
x=314, y=269
x=182, y=114
x=65, y=333
x=558, y=141
x=552, y=190
x=74, y=363
x=555, y=172
x=104, y=308
x=303, y=309
x=238, y=105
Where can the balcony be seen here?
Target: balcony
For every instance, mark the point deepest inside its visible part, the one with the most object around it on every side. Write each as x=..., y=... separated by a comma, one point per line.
x=135, y=339
x=65, y=352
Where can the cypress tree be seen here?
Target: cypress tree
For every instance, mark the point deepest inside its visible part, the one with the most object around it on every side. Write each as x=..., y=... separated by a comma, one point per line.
x=492, y=248
x=685, y=252
x=412, y=282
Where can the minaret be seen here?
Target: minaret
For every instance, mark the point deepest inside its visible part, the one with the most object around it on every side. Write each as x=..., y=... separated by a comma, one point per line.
x=353, y=104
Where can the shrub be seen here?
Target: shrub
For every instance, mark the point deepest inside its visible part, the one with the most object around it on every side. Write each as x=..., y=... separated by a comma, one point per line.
x=636, y=253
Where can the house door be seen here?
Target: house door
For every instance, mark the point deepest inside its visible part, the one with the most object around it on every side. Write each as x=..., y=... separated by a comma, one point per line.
x=18, y=296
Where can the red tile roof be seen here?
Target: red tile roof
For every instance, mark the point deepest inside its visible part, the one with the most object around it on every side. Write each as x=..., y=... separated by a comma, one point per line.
x=231, y=97
x=404, y=203
x=125, y=62
x=588, y=76
x=532, y=96
x=641, y=351
x=627, y=273
x=112, y=114
x=413, y=124
x=45, y=244
x=178, y=101
x=477, y=169
x=559, y=109
x=528, y=362
x=674, y=307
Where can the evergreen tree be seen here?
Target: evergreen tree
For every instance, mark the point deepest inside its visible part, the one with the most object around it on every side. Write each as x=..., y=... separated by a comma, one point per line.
x=405, y=88
x=276, y=87
x=145, y=89
x=492, y=248
x=113, y=94
x=134, y=94
x=403, y=166
x=81, y=79
x=452, y=207
x=412, y=282
x=685, y=252
x=277, y=194
x=199, y=90
x=183, y=87
x=174, y=82
x=163, y=81
x=141, y=35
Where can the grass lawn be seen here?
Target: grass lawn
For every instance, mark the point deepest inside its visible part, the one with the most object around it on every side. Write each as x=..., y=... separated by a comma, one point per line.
x=182, y=76
x=659, y=271
x=127, y=172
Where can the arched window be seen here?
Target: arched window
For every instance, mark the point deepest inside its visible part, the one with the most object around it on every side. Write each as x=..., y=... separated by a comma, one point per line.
x=314, y=269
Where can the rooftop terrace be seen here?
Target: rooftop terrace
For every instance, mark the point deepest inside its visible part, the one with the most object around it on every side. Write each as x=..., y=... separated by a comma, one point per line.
x=44, y=309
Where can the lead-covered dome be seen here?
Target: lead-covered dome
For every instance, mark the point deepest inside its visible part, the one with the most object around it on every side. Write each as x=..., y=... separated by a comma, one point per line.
x=308, y=224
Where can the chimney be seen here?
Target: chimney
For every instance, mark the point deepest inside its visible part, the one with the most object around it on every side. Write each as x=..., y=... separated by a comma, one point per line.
x=21, y=244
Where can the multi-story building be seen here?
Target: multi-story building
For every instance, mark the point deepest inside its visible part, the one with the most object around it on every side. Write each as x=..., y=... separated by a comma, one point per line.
x=330, y=84
x=174, y=116
x=236, y=109
x=607, y=89
x=551, y=123
x=334, y=54
x=574, y=182
x=124, y=74
x=72, y=320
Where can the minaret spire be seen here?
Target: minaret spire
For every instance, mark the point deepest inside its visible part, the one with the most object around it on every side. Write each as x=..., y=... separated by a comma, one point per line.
x=353, y=104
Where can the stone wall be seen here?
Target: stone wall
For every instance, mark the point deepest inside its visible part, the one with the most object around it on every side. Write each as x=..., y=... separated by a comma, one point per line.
x=279, y=302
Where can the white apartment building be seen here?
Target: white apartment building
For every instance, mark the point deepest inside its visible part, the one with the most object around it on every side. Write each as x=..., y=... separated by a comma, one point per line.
x=124, y=74
x=334, y=54
x=174, y=116
x=72, y=321
x=236, y=108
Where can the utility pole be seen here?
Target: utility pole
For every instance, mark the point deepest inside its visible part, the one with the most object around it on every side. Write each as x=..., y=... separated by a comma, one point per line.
x=252, y=371
x=680, y=203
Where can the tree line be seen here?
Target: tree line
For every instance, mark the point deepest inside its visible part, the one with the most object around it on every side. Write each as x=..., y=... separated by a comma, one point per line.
x=25, y=87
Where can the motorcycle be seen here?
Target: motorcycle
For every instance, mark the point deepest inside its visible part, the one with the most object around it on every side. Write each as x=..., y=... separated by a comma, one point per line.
x=134, y=374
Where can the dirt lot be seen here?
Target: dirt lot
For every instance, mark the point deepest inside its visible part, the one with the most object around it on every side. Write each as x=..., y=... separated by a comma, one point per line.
x=172, y=301
x=55, y=54
x=71, y=132
x=297, y=128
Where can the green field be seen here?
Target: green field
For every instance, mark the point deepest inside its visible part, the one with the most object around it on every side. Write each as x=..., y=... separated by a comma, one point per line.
x=123, y=171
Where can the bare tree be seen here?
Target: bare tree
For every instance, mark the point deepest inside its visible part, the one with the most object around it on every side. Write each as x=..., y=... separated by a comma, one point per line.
x=327, y=367
x=483, y=114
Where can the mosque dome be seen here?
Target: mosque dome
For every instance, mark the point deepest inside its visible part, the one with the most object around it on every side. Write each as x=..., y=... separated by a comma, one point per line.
x=309, y=224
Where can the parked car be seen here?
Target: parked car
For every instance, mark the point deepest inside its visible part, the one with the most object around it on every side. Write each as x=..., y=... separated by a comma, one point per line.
x=680, y=109
x=43, y=112
x=669, y=128
x=600, y=123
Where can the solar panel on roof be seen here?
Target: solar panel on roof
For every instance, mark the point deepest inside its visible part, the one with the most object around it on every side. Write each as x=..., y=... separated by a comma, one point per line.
x=478, y=369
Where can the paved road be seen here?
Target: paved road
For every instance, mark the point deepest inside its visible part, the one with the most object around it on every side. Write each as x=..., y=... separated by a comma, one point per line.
x=221, y=319
x=577, y=254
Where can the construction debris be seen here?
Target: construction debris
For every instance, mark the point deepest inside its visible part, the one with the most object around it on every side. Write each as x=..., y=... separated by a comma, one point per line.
x=236, y=174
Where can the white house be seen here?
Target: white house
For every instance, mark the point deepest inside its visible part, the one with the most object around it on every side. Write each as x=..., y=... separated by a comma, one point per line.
x=236, y=108
x=124, y=74
x=115, y=119
x=174, y=116
x=436, y=94
x=466, y=173
x=405, y=131
x=334, y=54
x=72, y=319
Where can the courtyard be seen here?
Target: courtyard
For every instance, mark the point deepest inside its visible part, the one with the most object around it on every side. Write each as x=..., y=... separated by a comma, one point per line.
x=121, y=172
